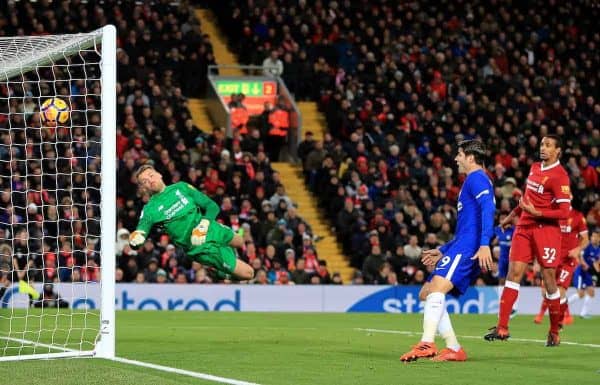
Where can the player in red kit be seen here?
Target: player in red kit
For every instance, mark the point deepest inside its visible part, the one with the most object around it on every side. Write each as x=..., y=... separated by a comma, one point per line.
x=547, y=200
x=574, y=239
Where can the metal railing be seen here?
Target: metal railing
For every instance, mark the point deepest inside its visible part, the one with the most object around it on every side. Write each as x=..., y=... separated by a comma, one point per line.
x=248, y=70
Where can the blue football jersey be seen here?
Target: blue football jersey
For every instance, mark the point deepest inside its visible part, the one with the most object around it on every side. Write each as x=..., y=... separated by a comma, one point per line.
x=474, y=228
x=591, y=254
x=504, y=240
x=475, y=202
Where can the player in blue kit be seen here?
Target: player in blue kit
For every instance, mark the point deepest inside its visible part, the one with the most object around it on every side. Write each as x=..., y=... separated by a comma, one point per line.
x=458, y=262
x=504, y=239
x=582, y=278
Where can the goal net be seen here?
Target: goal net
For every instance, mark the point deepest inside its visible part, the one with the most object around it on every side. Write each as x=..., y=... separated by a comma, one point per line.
x=57, y=193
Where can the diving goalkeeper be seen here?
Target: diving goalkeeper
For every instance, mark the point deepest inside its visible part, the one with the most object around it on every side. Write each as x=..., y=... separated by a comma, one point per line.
x=188, y=216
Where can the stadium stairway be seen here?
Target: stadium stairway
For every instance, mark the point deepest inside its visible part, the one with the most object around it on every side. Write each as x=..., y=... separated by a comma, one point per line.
x=222, y=54
x=312, y=119
x=200, y=115
x=208, y=24
x=327, y=248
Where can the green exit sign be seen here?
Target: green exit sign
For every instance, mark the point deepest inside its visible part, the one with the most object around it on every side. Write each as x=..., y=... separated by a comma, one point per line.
x=248, y=88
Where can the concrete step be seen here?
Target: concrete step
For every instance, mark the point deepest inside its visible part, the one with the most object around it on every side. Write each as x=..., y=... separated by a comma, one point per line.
x=223, y=55
x=200, y=115
x=327, y=248
x=312, y=119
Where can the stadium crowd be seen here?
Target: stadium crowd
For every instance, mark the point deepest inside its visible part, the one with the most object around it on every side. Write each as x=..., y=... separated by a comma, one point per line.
x=50, y=223
x=399, y=83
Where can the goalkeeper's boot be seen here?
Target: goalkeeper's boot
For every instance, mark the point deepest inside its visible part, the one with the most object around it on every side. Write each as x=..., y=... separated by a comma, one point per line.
x=497, y=333
x=420, y=350
x=26, y=288
x=448, y=354
x=553, y=340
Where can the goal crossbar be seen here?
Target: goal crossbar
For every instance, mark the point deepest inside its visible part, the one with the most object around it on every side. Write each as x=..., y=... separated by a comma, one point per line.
x=22, y=54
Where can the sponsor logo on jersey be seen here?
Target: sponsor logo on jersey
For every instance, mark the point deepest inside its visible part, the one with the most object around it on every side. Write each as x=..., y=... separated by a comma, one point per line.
x=537, y=187
x=565, y=229
x=177, y=206
x=171, y=211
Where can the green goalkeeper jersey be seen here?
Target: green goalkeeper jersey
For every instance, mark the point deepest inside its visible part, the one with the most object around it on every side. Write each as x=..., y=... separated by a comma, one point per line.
x=178, y=209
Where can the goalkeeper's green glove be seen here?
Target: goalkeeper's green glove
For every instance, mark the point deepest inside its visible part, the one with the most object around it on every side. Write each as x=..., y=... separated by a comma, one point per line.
x=198, y=236
x=137, y=238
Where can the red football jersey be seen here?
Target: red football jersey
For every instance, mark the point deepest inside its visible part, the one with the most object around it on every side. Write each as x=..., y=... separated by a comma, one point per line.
x=545, y=188
x=571, y=228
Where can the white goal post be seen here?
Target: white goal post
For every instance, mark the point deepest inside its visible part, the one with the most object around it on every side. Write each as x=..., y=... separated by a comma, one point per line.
x=57, y=196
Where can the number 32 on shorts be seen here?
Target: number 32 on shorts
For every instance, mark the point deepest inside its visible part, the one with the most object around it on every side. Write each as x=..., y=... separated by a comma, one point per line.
x=549, y=254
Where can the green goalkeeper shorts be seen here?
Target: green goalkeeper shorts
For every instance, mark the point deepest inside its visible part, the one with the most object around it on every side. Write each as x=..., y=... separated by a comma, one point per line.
x=222, y=258
x=216, y=251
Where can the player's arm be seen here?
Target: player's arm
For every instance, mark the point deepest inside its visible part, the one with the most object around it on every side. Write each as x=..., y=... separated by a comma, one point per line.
x=485, y=200
x=584, y=241
x=508, y=220
x=584, y=238
x=208, y=206
x=432, y=256
x=562, y=194
x=561, y=212
x=138, y=237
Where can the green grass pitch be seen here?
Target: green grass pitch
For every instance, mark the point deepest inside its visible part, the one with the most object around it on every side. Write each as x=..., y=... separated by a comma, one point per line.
x=298, y=349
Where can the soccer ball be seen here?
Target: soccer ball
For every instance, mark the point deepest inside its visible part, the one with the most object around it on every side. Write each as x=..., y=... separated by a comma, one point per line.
x=54, y=111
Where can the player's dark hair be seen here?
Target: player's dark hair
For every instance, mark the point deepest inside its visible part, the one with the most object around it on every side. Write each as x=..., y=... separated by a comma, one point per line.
x=143, y=168
x=474, y=147
x=557, y=141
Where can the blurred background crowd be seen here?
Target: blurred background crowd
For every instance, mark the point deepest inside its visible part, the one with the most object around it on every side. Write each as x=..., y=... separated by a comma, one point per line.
x=400, y=83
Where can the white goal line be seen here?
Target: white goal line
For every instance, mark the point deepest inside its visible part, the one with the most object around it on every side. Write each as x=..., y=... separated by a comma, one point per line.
x=409, y=333
x=203, y=376
x=66, y=352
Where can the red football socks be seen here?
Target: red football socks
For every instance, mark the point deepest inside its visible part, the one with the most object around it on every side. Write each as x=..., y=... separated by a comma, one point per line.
x=543, y=308
x=507, y=301
x=554, y=310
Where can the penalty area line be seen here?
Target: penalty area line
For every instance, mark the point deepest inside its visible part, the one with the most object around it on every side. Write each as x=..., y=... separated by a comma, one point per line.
x=474, y=337
x=203, y=376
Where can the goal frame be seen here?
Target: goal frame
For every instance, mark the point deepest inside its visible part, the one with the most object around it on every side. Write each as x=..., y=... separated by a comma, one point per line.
x=106, y=36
